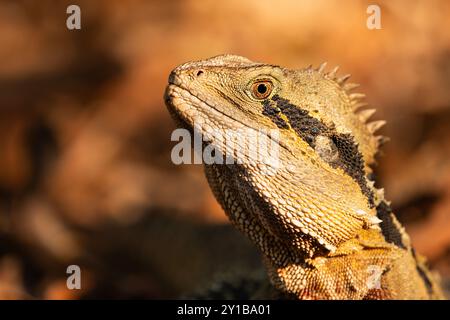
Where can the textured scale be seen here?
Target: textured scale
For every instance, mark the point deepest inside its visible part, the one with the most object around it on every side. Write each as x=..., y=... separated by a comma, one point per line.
x=324, y=230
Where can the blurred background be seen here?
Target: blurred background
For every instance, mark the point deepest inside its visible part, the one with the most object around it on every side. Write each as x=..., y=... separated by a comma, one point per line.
x=85, y=170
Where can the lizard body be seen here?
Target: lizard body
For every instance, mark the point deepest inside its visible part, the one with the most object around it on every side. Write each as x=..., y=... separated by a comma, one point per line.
x=324, y=229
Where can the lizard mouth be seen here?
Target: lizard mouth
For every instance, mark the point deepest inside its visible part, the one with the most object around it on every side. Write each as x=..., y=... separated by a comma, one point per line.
x=183, y=105
x=180, y=99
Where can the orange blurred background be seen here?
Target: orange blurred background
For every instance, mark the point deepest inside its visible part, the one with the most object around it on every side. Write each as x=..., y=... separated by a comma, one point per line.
x=85, y=170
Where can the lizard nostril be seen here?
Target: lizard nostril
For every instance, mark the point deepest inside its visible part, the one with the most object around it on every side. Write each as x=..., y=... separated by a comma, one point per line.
x=199, y=73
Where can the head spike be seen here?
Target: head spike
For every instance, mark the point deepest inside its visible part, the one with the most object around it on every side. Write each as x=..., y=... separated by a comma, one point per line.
x=322, y=67
x=364, y=115
x=379, y=196
x=375, y=125
x=357, y=96
x=342, y=79
x=350, y=86
x=359, y=105
x=375, y=220
x=332, y=74
x=380, y=193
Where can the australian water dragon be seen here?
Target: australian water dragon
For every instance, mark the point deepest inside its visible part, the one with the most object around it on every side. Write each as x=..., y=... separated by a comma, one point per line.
x=324, y=229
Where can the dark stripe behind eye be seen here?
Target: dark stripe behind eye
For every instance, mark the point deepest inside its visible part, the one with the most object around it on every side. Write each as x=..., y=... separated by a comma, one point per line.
x=270, y=112
x=308, y=128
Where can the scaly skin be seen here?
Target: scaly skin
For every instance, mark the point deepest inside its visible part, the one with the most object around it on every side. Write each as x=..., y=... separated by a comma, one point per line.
x=324, y=230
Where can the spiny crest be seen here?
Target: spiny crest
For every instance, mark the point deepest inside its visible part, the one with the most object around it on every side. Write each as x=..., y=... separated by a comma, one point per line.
x=358, y=106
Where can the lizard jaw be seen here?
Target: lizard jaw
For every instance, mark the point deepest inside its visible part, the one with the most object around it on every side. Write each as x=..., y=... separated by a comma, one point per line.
x=190, y=110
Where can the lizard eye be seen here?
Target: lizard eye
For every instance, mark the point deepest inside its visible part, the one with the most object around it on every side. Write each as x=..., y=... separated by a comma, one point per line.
x=262, y=89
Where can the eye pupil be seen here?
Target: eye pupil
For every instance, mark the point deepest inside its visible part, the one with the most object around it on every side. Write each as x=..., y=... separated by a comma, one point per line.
x=262, y=88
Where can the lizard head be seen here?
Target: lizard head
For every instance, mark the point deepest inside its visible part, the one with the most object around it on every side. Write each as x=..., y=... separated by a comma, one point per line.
x=321, y=188
x=225, y=90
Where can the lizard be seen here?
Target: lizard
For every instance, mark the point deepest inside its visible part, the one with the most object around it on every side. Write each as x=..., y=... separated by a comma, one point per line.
x=323, y=228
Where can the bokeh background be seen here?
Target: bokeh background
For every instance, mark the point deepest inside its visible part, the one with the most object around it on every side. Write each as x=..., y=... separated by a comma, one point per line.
x=85, y=170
